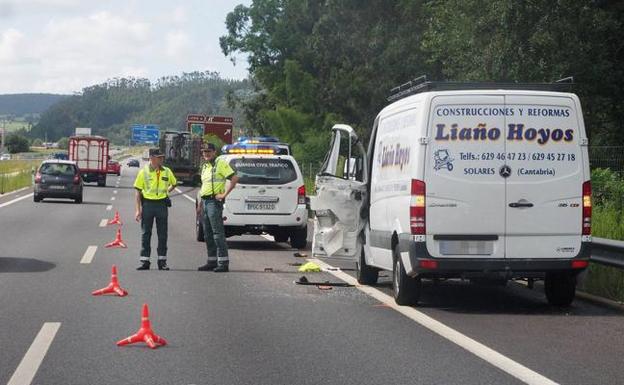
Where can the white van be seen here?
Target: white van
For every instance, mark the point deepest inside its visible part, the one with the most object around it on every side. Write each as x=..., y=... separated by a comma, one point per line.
x=475, y=184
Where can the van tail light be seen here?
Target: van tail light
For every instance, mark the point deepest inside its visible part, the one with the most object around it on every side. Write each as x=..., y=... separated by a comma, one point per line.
x=77, y=179
x=38, y=178
x=301, y=195
x=417, y=208
x=587, y=208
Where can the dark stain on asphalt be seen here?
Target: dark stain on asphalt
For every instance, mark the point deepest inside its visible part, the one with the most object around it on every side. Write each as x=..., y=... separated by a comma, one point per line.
x=24, y=265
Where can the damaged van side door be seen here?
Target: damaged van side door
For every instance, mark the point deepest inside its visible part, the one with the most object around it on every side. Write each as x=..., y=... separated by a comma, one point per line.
x=341, y=197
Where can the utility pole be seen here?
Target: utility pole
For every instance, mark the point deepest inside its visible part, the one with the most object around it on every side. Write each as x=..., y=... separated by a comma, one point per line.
x=2, y=133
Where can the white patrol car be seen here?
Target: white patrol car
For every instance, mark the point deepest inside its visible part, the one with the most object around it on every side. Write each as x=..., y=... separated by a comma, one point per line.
x=480, y=184
x=270, y=196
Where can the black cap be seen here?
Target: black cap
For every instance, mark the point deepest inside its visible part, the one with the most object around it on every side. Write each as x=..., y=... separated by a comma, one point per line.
x=209, y=147
x=155, y=152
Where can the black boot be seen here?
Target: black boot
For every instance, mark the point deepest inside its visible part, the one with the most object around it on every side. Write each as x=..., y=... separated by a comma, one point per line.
x=145, y=265
x=210, y=266
x=162, y=264
x=222, y=268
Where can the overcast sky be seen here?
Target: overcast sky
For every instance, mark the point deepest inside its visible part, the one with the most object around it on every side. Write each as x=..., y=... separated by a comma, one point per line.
x=61, y=46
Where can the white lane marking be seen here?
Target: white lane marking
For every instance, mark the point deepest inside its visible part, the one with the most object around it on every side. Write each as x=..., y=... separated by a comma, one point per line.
x=267, y=237
x=27, y=369
x=109, y=207
x=185, y=195
x=103, y=222
x=114, y=191
x=88, y=255
x=487, y=354
x=112, y=198
x=15, y=191
x=15, y=200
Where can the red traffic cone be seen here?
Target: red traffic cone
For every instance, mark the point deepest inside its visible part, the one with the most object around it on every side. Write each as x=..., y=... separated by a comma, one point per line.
x=145, y=333
x=116, y=220
x=118, y=242
x=113, y=287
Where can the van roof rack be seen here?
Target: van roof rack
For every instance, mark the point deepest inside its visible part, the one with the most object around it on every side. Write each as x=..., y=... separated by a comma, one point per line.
x=421, y=84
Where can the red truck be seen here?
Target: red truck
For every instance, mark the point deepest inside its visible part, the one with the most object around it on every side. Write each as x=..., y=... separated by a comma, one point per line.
x=91, y=155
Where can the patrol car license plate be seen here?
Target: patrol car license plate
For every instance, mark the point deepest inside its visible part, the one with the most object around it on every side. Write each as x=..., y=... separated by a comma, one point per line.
x=260, y=206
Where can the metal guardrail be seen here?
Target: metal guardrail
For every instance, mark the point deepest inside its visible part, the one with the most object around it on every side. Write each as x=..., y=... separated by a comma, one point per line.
x=608, y=252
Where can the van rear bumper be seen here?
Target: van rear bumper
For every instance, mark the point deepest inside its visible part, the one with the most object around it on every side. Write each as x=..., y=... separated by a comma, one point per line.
x=482, y=267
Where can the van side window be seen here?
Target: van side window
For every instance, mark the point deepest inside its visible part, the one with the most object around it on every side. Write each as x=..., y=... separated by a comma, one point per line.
x=345, y=159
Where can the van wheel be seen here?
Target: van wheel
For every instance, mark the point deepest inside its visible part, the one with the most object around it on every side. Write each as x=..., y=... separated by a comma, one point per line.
x=280, y=236
x=299, y=238
x=36, y=198
x=560, y=288
x=406, y=289
x=78, y=199
x=366, y=275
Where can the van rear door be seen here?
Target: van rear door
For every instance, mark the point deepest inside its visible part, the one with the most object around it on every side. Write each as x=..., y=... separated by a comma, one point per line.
x=465, y=193
x=544, y=189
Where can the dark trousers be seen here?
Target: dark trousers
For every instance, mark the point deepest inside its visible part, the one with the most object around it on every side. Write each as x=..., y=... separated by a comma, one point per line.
x=214, y=233
x=154, y=210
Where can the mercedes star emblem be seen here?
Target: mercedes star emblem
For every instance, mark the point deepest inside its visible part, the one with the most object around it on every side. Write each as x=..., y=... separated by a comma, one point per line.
x=505, y=171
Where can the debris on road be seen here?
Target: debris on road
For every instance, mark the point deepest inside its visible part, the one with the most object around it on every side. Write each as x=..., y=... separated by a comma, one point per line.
x=304, y=281
x=310, y=267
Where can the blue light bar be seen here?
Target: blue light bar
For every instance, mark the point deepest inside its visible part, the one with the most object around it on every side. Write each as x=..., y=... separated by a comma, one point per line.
x=257, y=139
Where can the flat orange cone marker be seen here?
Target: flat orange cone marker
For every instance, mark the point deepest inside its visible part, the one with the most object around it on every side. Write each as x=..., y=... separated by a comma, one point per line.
x=116, y=220
x=118, y=242
x=145, y=333
x=113, y=287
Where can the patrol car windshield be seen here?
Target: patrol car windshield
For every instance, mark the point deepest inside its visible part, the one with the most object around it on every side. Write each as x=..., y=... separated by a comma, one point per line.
x=264, y=171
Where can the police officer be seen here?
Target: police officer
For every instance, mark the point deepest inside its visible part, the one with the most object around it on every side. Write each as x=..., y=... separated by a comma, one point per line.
x=153, y=184
x=213, y=193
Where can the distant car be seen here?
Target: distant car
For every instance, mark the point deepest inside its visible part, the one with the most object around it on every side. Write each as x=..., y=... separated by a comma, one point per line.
x=5, y=157
x=113, y=167
x=57, y=178
x=133, y=163
x=59, y=155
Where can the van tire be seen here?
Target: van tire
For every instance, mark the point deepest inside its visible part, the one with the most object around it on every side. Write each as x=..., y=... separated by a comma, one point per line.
x=366, y=275
x=78, y=199
x=37, y=198
x=406, y=290
x=560, y=288
x=299, y=238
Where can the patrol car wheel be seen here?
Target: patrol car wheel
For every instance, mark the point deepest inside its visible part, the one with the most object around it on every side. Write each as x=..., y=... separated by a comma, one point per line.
x=560, y=288
x=366, y=275
x=280, y=237
x=406, y=289
x=299, y=238
x=199, y=231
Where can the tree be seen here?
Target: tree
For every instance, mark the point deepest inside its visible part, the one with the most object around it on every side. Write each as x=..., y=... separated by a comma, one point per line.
x=37, y=142
x=63, y=143
x=17, y=143
x=340, y=58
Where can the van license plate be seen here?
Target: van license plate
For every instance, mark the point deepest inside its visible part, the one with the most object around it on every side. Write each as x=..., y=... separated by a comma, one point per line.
x=260, y=206
x=57, y=187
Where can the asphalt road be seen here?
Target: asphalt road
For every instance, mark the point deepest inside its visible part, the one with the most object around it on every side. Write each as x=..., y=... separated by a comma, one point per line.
x=252, y=326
